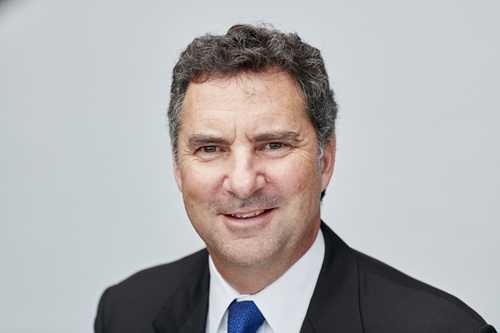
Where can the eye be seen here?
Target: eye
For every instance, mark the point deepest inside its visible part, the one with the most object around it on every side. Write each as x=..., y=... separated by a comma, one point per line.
x=208, y=153
x=209, y=149
x=274, y=149
x=274, y=145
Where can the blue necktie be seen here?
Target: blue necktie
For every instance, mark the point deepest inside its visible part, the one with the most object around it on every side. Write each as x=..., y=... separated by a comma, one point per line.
x=244, y=317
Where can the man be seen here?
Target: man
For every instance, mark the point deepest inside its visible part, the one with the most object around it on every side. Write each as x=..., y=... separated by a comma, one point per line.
x=252, y=120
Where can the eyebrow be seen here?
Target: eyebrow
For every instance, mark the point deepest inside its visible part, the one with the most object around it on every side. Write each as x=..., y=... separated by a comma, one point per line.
x=277, y=136
x=198, y=140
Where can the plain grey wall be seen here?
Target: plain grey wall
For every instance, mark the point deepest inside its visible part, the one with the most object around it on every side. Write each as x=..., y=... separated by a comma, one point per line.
x=87, y=195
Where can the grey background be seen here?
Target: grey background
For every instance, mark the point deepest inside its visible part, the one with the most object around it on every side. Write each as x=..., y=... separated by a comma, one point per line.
x=87, y=195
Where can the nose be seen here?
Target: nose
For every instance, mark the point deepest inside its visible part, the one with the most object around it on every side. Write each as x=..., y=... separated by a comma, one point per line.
x=244, y=176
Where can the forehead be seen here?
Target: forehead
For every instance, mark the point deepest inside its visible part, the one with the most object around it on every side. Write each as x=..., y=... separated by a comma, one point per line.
x=244, y=95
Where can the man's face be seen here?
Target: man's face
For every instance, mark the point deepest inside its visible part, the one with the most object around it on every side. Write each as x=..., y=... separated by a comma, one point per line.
x=249, y=171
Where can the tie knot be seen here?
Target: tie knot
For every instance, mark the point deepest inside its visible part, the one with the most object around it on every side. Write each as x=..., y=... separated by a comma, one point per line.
x=244, y=317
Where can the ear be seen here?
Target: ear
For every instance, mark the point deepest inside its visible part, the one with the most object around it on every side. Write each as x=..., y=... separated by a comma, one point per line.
x=328, y=162
x=177, y=173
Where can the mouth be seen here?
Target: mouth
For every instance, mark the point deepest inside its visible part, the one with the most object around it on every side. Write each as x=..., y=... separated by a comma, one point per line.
x=249, y=214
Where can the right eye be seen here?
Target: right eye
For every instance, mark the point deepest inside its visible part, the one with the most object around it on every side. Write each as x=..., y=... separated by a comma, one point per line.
x=209, y=149
x=209, y=153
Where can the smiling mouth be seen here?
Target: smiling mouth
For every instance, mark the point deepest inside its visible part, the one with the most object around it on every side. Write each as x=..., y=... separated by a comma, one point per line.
x=248, y=215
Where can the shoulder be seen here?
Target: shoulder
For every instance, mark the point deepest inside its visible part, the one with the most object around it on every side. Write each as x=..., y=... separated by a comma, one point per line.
x=162, y=278
x=391, y=301
x=137, y=299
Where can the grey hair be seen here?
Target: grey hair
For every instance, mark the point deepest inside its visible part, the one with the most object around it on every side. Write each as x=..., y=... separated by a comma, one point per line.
x=249, y=48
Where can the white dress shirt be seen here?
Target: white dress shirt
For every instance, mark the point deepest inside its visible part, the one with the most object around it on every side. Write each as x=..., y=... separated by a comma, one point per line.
x=283, y=303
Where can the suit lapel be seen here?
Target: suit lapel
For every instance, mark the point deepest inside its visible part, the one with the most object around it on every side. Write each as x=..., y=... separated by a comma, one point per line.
x=186, y=311
x=334, y=306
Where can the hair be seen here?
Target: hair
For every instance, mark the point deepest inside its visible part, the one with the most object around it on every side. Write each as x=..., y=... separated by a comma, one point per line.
x=258, y=49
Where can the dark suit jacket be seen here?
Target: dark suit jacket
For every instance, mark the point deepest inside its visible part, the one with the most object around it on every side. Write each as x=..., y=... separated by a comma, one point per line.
x=354, y=294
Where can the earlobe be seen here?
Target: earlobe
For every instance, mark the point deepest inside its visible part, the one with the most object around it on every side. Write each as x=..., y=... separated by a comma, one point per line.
x=328, y=162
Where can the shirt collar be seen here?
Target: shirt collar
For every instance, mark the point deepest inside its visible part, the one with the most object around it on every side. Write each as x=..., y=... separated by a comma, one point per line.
x=289, y=294
x=221, y=295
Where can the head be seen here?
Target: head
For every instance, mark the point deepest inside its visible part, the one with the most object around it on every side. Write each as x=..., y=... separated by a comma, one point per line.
x=252, y=125
x=247, y=48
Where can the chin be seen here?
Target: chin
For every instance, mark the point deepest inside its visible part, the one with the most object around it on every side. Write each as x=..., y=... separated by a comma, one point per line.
x=247, y=253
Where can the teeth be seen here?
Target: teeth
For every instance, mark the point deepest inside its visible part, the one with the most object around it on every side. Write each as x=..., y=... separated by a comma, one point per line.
x=252, y=214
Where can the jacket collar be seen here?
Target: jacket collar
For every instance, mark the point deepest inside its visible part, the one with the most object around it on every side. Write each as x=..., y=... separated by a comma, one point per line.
x=334, y=305
x=186, y=310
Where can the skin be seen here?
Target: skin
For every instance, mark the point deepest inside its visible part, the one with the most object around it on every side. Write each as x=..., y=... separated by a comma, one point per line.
x=250, y=174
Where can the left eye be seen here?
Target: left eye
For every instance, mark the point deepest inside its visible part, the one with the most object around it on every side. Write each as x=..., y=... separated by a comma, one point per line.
x=274, y=145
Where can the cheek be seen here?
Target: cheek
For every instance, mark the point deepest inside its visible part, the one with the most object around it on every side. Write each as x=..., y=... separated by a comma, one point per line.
x=298, y=183
x=294, y=177
x=199, y=183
